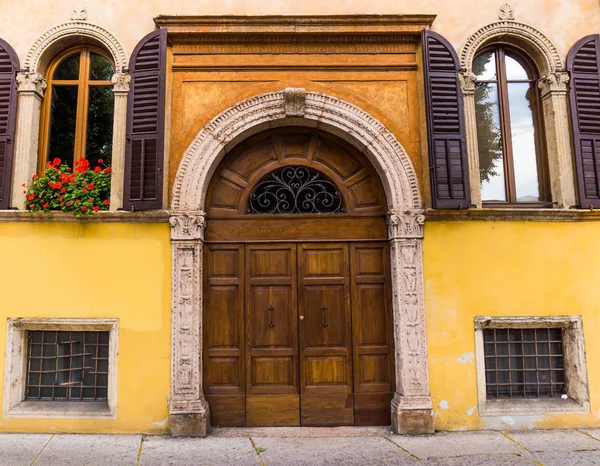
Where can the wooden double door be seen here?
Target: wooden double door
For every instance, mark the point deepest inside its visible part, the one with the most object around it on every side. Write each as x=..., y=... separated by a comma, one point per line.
x=298, y=334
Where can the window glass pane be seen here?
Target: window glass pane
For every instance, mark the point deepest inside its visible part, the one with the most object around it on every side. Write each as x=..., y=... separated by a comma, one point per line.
x=514, y=70
x=68, y=68
x=491, y=165
x=63, y=112
x=522, y=102
x=100, y=68
x=99, y=125
x=484, y=66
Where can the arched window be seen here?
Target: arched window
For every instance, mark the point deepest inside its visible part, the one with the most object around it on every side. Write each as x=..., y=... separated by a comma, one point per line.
x=509, y=128
x=78, y=107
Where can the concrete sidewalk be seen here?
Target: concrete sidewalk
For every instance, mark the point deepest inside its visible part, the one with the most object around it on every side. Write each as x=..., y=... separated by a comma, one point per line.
x=306, y=446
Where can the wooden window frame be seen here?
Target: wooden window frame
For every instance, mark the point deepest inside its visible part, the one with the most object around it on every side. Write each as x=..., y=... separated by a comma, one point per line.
x=83, y=82
x=500, y=52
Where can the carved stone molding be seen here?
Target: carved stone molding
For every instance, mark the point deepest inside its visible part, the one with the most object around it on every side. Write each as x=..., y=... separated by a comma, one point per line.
x=467, y=81
x=121, y=82
x=79, y=13
x=535, y=42
x=79, y=29
x=554, y=82
x=294, y=101
x=405, y=224
x=328, y=113
x=31, y=83
x=506, y=12
x=187, y=226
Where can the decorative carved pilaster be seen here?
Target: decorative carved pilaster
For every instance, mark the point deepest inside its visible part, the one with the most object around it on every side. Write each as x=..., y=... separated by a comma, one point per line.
x=294, y=101
x=121, y=83
x=467, y=82
x=31, y=83
x=189, y=409
x=411, y=407
x=554, y=82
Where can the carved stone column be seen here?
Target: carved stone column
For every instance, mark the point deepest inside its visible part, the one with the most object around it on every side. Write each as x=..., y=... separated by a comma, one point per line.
x=121, y=90
x=30, y=89
x=467, y=81
x=189, y=413
x=411, y=407
x=553, y=88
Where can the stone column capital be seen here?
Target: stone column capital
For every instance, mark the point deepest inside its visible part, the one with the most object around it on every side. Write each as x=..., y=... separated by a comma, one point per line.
x=556, y=82
x=403, y=224
x=467, y=81
x=121, y=83
x=31, y=83
x=187, y=226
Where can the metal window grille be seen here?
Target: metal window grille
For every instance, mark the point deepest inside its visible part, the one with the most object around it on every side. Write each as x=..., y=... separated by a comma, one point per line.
x=525, y=363
x=67, y=365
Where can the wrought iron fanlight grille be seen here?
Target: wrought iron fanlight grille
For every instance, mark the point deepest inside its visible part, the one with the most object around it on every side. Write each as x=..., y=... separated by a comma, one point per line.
x=295, y=190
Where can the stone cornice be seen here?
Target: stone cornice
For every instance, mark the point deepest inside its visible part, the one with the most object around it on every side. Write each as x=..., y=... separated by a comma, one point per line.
x=513, y=215
x=155, y=216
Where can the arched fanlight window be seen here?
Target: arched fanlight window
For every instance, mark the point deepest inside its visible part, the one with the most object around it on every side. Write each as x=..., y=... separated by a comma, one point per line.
x=78, y=107
x=295, y=190
x=509, y=128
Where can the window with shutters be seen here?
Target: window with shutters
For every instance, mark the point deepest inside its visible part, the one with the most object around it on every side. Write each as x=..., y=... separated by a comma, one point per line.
x=512, y=161
x=78, y=112
x=531, y=364
x=61, y=368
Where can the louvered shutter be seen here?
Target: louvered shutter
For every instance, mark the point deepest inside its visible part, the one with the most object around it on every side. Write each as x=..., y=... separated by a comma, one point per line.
x=448, y=162
x=146, y=124
x=9, y=65
x=583, y=62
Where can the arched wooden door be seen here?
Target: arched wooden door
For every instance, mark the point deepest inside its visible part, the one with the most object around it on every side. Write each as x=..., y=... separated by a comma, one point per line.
x=297, y=297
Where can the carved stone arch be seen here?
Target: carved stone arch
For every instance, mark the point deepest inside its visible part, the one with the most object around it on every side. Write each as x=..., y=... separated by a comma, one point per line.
x=411, y=407
x=320, y=111
x=45, y=47
x=529, y=39
x=553, y=82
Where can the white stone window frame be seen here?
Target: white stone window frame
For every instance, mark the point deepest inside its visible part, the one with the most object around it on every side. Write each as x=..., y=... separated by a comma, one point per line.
x=15, y=371
x=31, y=87
x=574, y=363
x=553, y=85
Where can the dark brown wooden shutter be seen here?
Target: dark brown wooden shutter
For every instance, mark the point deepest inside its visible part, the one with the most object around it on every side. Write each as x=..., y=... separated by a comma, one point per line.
x=583, y=63
x=9, y=65
x=146, y=124
x=448, y=162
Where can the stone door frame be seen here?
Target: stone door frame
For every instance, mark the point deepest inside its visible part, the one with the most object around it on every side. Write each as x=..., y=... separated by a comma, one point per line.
x=411, y=406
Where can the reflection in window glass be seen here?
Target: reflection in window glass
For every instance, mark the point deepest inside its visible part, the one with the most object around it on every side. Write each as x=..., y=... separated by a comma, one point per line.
x=68, y=69
x=62, y=123
x=514, y=70
x=100, y=68
x=99, y=125
x=491, y=163
x=521, y=100
x=484, y=67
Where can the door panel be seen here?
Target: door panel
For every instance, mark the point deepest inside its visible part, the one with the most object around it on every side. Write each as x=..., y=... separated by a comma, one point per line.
x=372, y=333
x=271, y=336
x=224, y=361
x=325, y=335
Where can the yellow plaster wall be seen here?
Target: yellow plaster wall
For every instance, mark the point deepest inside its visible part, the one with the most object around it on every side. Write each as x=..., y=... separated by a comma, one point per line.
x=97, y=270
x=504, y=269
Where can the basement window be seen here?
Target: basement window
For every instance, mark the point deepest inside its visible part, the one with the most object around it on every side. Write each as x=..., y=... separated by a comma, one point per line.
x=61, y=368
x=528, y=365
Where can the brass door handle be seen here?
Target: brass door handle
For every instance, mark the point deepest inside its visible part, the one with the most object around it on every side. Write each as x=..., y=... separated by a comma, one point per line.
x=301, y=317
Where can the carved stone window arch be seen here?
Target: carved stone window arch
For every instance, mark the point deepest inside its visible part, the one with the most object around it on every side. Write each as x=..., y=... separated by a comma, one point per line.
x=31, y=86
x=552, y=83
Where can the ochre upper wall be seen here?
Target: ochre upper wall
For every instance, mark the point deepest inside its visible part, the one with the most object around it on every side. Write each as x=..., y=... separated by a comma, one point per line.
x=564, y=21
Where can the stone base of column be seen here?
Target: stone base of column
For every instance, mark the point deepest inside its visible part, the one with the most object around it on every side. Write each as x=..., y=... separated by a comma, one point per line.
x=412, y=416
x=190, y=424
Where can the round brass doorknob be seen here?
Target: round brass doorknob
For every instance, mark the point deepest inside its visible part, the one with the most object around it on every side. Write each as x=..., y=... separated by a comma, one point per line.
x=301, y=317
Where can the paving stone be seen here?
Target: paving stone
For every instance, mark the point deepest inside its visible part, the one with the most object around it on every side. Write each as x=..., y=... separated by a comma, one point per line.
x=562, y=458
x=300, y=432
x=327, y=451
x=508, y=459
x=559, y=440
x=593, y=432
x=21, y=449
x=164, y=451
x=447, y=444
x=81, y=450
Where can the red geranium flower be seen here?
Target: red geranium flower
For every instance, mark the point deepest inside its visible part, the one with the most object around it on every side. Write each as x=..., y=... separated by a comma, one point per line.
x=77, y=201
x=64, y=190
x=45, y=206
x=90, y=186
x=107, y=170
x=106, y=201
x=69, y=203
x=30, y=197
x=95, y=208
x=56, y=162
x=83, y=208
x=97, y=170
x=100, y=160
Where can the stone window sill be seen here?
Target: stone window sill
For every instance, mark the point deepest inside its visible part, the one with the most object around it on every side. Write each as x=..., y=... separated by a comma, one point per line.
x=61, y=409
x=527, y=407
x=152, y=216
x=512, y=214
